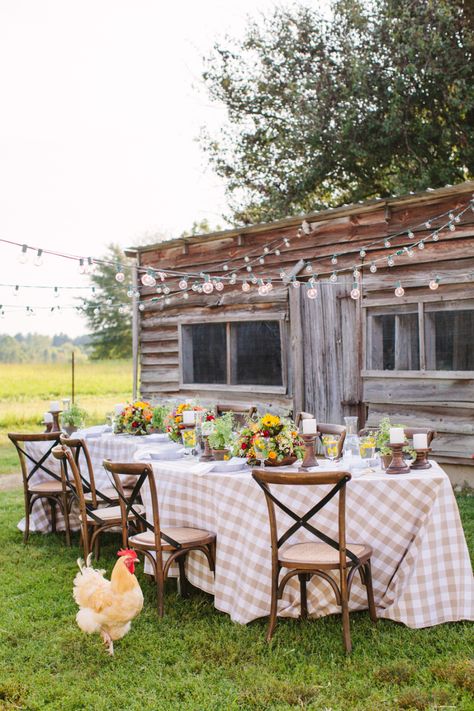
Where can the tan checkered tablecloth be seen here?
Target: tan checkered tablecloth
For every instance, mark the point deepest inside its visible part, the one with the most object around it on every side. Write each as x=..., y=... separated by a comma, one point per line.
x=421, y=568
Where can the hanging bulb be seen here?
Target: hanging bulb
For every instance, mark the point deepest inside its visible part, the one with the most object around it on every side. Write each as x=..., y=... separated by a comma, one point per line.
x=145, y=279
x=457, y=218
x=81, y=268
x=262, y=289
x=362, y=253
x=333, y=278
x=410, y=234
x=23, y=256
x=428, y=225
x=141, y=307
x=355, y=293
x=246, y=259
x=225, y=268
x=89, y=267
x=399, y=291
x=183, y=284
x=451, y=215
x=56, y=292
x=434, y=283
x=387, y=243
x=282, y=275
x=119, y=276
x=245, y=286
x=373, y=267
x=159, y=289
x=109, y=302
x=199, y=289
x=421, y=245
x=390, y=261
x=356, y=273
x=269, y=285
x=16, y=290
x=410, y=252
x=38, y=261
x=452, y=227
x=286, y=242
x=130, y=293
x=249, y=268
x=435, y=236
x=309, y=267
x=219, y=286
x=233, y=278
x=208, y=287
x=96, y=311
x=277, y=252
x=295, y=283
x=121, y=310
x=166, y=290
x=151, y=279
x=185, y=295
x=334, y=259
x=312, y=292
x=266, y=250
x=261, y=260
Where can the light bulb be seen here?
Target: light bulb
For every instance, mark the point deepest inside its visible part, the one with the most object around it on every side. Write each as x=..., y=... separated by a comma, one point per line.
x=130, y=293
x=390, y=261
x=451, y=215
x=457, y=218
x=421, y=245
x=262, y=290
x=56, y=292
x=295, y=283
x=410, y=234
x=428, y=225
x=208, y=287
x=266, y=250
x=16, y=290
x=225, y=268
x=355, y=293
x=199, y=289
x=410, y=252
x=23, y=256
x=269, y=285
x=333, y=278
x=120, y=277
x=309, y=267
x=373, y=268
x=246, y=259
x=183, y=284
x=219, y=286
x=81, y=267
x=306, y=227
x=145, y=280
x=434, y=284
x=166, y=290
x=286, y=242
x=233, y=278
x=167, y=301
x=89, y=267
x=185, y=295
x=277, y=252
x=399, y=291
x=141, y=307
x=452, y=227
x=334, y=259
x=282, y=275
x=245, y=286
x=109, y=302
x=194, y=287
x=151, y=280
x=159, y=289
x=435, y=236
x=38, y=261
x=387, y=243
x=312, y=293
x=96, y=311
x=356, y=273
x=362, y=253
x=261, y=260
x=121, y=310
x=249, y=268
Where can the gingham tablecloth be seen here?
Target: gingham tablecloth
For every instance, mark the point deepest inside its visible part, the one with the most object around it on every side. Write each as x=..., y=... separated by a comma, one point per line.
x=421, y=569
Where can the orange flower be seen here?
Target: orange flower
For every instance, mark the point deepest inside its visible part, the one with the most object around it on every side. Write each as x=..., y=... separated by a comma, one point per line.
x=272, y=455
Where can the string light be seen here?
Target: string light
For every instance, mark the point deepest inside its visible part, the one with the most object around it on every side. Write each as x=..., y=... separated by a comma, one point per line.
x=421, y=245
x=286, y=241
x=333, y=259
x=356, y=273
x=119, y=276
x=434, y=283
x=141, y=307
x=452, y=227
x=266, y=250
x=373, y=267
x=410, y=235
x=23, y=256
x=295, y=283
x=362, y=253
x=390, y=261
x=399, y=290
x=435, y=236
x=186, y=295
x=387, y=243
x=333, y=278
x=309, y=267
x=355, y=292
x=225, y=268
x=56, y=292
x=261, y=260
x=81, y=267
x=16, y=290
x=245, y=286
x=183, y=284
x=38, y=260
x=246, y=258
x=248, y=268
x=277, y=252
x=306, y=227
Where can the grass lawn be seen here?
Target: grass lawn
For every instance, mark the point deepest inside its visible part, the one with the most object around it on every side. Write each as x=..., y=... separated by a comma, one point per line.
x=26, y=390
x=197, y=659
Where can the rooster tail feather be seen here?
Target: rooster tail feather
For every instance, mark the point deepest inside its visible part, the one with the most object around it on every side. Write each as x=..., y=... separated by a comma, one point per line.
x=87, y=621
x=87, y=564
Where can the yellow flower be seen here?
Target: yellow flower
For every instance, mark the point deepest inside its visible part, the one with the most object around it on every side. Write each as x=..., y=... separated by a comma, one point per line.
x=270, y=420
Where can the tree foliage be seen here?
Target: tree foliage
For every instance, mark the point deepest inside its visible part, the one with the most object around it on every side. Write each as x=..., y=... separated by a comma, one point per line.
x=108, y=310
x=377, y=98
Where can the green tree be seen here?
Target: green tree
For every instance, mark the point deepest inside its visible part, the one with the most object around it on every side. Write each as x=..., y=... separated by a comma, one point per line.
x=377, y=98
x=201, y=227
x=108, y=310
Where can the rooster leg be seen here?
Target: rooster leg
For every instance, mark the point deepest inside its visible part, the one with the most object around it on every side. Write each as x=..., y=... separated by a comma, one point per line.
x=107, y=641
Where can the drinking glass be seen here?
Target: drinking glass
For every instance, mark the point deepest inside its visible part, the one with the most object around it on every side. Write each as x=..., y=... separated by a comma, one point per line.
x=260, y=447
x=330, y=445
x=367, y=447
x=189, y=440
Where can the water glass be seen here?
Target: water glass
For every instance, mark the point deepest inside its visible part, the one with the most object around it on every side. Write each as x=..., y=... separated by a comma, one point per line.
x=189, y=440
x=367, y=447
x=330, y=446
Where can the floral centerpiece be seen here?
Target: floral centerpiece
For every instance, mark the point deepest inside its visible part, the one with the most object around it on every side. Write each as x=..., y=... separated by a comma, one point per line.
x=280, y=436
x=135, y=418
x=174, y=420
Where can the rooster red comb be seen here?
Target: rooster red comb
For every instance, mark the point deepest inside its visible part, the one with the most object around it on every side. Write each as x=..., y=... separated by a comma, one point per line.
x=128, y=552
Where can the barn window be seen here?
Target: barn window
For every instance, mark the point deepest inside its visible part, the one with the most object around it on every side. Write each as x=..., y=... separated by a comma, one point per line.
x=424, y=336
x=232, y=353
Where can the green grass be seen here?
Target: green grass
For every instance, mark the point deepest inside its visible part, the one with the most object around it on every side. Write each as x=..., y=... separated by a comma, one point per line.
x=26, y=390
x=197, y=659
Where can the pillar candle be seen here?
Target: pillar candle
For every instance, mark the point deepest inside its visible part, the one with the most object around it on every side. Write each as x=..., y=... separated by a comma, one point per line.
x=309, y=426
x=189, y=417
x=54, y=406
x=420, y=441
x=397, y=435
x=47, y=417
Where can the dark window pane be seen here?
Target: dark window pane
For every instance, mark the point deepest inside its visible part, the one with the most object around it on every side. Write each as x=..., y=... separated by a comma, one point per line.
x=453, y=339
x=256, y=353
x=388, y=331
x=204, y=353
x=395, y=342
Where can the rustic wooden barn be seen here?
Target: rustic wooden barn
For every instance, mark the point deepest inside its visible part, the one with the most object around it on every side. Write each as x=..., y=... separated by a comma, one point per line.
x=410, y=357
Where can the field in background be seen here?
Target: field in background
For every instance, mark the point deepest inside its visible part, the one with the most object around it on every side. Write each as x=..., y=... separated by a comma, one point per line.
x=26, y=390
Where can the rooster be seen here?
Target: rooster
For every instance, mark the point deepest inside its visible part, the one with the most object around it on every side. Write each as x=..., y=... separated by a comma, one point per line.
x=107, y=607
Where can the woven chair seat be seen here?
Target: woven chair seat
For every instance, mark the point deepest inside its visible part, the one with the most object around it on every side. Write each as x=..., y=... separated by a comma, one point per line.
x=46, y=487
x=113, y=513
x=301, y=555
x=181, y=534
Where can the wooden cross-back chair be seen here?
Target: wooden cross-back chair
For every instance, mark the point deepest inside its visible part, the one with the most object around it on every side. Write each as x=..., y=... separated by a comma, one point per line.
x=154, y=541
x=324, y=428
x=53, y=489
x=92, y=495
x=312, y=557
x=241, y=412
x=94, y=521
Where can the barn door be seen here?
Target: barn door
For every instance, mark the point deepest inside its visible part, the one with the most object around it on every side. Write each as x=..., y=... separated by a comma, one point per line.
x=331, y=335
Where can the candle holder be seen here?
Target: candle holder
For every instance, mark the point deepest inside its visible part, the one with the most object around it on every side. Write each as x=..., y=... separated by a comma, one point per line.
x=398, y=464
x=48, y=425
x=421, y=461
x=206, y=456
x=55, y=427
x=309, y=460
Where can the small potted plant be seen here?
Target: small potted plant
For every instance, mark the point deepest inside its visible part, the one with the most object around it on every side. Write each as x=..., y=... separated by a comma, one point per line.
x=222, y=436
x=382, y=440
x=73, y=418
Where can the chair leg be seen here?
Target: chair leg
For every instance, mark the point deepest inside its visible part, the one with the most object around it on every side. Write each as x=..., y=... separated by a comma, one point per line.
x=97, y=547
x=52, y=505
x=304, y=600
x=273, y=606
x=124, y=535
x=183, y=583
x=370, y=591
x=26, y=532
x=65, y=508
x=346, y=630
x=160, y=589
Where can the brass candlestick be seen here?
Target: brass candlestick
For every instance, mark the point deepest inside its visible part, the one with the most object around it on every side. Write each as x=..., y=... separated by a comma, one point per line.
x=421, y=461
x=206, y=456
x=55, y=427
x=397, y=465
x=309, y=460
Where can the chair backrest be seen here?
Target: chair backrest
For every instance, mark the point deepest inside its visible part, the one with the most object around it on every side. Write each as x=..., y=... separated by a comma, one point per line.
x=241, y=412
x=338, y=480
x=328, y=429
x=79, y=446
x=30, y=464
x=73, y=478
x=410, y=431
x=142, y=472
x=303, y=416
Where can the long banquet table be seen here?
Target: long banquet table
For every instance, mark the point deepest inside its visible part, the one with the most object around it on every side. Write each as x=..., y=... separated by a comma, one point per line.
x=421, y=570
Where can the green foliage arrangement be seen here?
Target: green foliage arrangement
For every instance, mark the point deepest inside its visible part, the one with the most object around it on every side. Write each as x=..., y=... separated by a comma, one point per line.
x=222, y=435
x=326, y=108
x=382, y=437
x=158, y=419
x=75, y=416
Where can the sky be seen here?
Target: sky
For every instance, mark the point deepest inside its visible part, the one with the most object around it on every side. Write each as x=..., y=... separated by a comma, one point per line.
x=101, y=105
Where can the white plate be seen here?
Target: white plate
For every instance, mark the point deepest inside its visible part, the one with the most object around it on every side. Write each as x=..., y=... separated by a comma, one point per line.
x=166, y=456
x=159, y=437
x=232, y=465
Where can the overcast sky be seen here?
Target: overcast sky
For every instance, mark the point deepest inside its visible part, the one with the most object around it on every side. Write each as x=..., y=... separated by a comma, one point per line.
x=101, y=104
